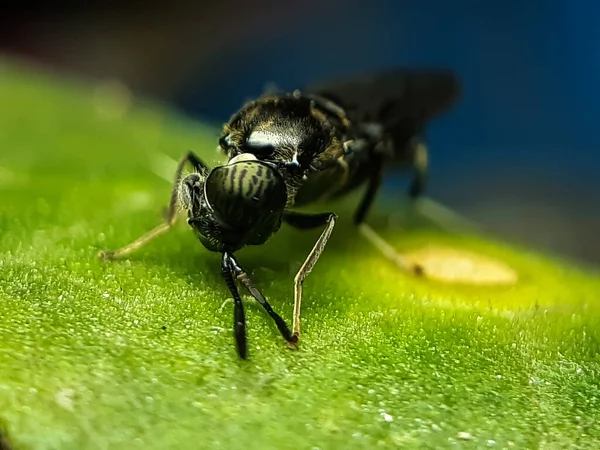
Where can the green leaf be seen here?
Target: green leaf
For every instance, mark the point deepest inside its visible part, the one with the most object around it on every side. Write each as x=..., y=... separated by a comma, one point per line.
x=139, y=353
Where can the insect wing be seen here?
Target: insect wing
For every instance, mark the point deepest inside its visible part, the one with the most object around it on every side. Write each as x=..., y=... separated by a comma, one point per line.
x=399, y=99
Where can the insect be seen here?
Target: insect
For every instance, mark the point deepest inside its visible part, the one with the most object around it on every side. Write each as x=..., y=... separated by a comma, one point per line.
x=289, y=149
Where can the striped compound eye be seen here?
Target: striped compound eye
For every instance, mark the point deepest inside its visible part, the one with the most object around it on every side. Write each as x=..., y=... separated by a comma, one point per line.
x=245, y=193
x=242, y=180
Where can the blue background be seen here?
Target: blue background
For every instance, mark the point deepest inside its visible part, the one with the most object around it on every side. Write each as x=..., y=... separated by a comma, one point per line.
x=522, y=140
x=530, y=73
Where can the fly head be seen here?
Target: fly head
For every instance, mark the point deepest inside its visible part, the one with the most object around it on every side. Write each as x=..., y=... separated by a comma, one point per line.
x=235, y=205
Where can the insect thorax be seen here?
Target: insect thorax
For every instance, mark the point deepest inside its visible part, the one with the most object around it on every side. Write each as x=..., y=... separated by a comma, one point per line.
x=294, y=132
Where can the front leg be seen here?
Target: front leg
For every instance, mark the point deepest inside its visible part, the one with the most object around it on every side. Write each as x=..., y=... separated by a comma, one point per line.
x=171, y=215
x=307, y=221
x=243, y=277
x=239, y=317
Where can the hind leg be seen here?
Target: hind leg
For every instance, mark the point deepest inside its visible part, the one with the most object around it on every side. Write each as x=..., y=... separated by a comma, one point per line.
x=369, y=233
x=420, y=164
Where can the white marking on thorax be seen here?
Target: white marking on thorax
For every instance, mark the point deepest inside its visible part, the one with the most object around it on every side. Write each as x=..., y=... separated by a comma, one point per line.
x=275, y=139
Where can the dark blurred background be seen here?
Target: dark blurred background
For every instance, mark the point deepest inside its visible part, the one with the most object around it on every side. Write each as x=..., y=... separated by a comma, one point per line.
x=518, y=153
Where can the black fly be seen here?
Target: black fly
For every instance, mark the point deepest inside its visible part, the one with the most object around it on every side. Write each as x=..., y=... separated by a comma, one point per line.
x=290, y=149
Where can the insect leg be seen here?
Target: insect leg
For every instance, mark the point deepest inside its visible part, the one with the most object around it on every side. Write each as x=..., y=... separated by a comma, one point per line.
x=243, y=277
x=304, y=221
x=359, y=220
x=239, y=317
x=171, y=215
x=372, y=189
x=420, y=165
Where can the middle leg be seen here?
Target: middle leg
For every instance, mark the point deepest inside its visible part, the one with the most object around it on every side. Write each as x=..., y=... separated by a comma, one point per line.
x=306, y=221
